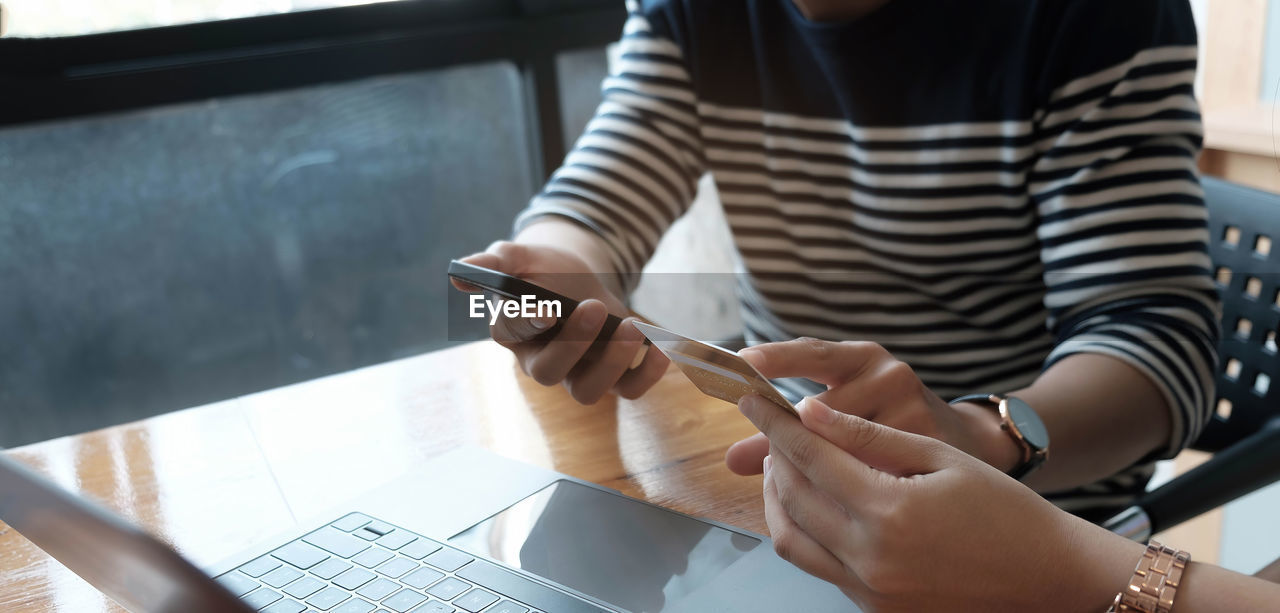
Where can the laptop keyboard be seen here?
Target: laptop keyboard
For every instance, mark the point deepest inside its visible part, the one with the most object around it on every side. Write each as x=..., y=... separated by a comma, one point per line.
x=361, y=565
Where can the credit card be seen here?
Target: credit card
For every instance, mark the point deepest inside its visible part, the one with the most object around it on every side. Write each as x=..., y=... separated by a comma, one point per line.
x=716, y=371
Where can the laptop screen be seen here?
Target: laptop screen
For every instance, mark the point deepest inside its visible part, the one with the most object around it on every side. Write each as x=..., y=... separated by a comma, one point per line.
x=630, y=554
x=133, y=568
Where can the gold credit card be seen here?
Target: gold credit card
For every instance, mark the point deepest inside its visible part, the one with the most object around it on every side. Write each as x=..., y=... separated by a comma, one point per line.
x=716, y=371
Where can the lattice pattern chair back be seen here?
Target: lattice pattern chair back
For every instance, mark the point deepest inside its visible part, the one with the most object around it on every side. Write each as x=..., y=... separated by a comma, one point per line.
x=1244, y=226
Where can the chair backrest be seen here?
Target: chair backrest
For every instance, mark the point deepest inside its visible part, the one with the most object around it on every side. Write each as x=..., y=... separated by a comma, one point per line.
x=1244, y=225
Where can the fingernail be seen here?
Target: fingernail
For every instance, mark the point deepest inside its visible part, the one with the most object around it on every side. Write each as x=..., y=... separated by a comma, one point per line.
x=816, y=410
x=638, y=359
x=768, y=464
x=748, y=403
x=542, y=323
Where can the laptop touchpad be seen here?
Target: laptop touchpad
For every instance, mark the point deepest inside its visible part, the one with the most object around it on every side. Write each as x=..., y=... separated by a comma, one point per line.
x=627, y=553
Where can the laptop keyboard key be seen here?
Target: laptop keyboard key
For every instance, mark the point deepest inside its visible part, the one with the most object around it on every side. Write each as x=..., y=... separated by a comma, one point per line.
x=330, y=568
x=448, y=559
x=378, y=589
x=285, y=606
x=449, y=588
x=281, y=577
x=352, y=522
x=303, y=587
x=404, y=600
x=519, y=588
x=396, y=540
x=507, y=606
x=261, y=598
x=355, y=605
x=475, y=600
x=327, y=598
x=336, y=541
x=397, y=567
x=260, y=567
x=422, y=577
x=419, y=549
x=237, y=584
x=353, y=578
x=348, y=538
x=373, y=557
x=380, y=527
x=300, y=554
x=435, y=606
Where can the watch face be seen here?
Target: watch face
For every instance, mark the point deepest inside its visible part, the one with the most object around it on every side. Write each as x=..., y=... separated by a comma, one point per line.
x=1028, y=423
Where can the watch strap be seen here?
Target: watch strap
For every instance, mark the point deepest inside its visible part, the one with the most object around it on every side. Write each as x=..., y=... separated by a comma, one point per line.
x=979, y=398
x=1024, y=468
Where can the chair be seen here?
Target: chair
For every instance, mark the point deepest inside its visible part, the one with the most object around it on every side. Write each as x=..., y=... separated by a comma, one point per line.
x=1244, y=432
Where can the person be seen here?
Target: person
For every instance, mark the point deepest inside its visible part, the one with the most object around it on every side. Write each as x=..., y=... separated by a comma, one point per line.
x=902, y=522
x=993, y=197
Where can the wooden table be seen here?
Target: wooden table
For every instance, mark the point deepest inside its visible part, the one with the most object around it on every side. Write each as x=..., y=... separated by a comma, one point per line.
x=215, y=480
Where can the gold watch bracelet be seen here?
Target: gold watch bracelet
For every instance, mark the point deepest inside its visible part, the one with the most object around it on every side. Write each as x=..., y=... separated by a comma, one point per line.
x=1155, y=581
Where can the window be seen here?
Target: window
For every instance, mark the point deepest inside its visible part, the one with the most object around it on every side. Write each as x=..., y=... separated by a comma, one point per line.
x=1239, y=85
x=39, y=18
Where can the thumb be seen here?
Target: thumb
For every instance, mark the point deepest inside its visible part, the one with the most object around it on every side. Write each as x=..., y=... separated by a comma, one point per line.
x=896, y=452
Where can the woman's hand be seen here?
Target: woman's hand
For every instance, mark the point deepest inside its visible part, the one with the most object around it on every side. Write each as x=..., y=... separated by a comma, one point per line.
x=864, y=379
x=902, y=522
x=551, y=361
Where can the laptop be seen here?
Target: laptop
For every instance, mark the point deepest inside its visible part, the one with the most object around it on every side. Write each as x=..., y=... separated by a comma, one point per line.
x=499, y=536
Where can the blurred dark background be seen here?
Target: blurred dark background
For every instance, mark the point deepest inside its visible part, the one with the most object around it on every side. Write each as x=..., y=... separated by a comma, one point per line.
x=197, y=212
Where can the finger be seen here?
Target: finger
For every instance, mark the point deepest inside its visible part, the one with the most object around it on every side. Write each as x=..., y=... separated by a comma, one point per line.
x=638, y=380
x=557, y=358
x=508, y=257
x=826, y=362
x=483, y=260
x=830, y=468
x=854, y=398
x=887, y=449
x=746, y=456
x=793, y=545
x=875, y=392
x=592, y=380
x=514, y=330
x=814, y=510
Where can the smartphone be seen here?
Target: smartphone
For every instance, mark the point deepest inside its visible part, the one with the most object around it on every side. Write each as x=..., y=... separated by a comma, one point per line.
x=716, y=371
x=513, y=288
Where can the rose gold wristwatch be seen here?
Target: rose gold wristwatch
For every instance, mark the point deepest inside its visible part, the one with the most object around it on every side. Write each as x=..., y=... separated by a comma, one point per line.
x=1022, y=424
x=1155, y=581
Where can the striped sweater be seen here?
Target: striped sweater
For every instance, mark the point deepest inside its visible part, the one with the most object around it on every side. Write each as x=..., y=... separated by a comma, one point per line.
x=984, y=187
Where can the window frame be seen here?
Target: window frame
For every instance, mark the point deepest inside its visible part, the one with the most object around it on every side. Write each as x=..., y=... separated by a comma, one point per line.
x=63, y=77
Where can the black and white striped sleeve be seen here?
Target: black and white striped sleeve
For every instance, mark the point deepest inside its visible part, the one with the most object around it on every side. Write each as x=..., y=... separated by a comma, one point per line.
x=635, y=169
x=1122, y=226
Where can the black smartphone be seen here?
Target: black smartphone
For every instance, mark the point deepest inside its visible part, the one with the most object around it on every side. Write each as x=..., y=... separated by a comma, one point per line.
x=514, y=288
